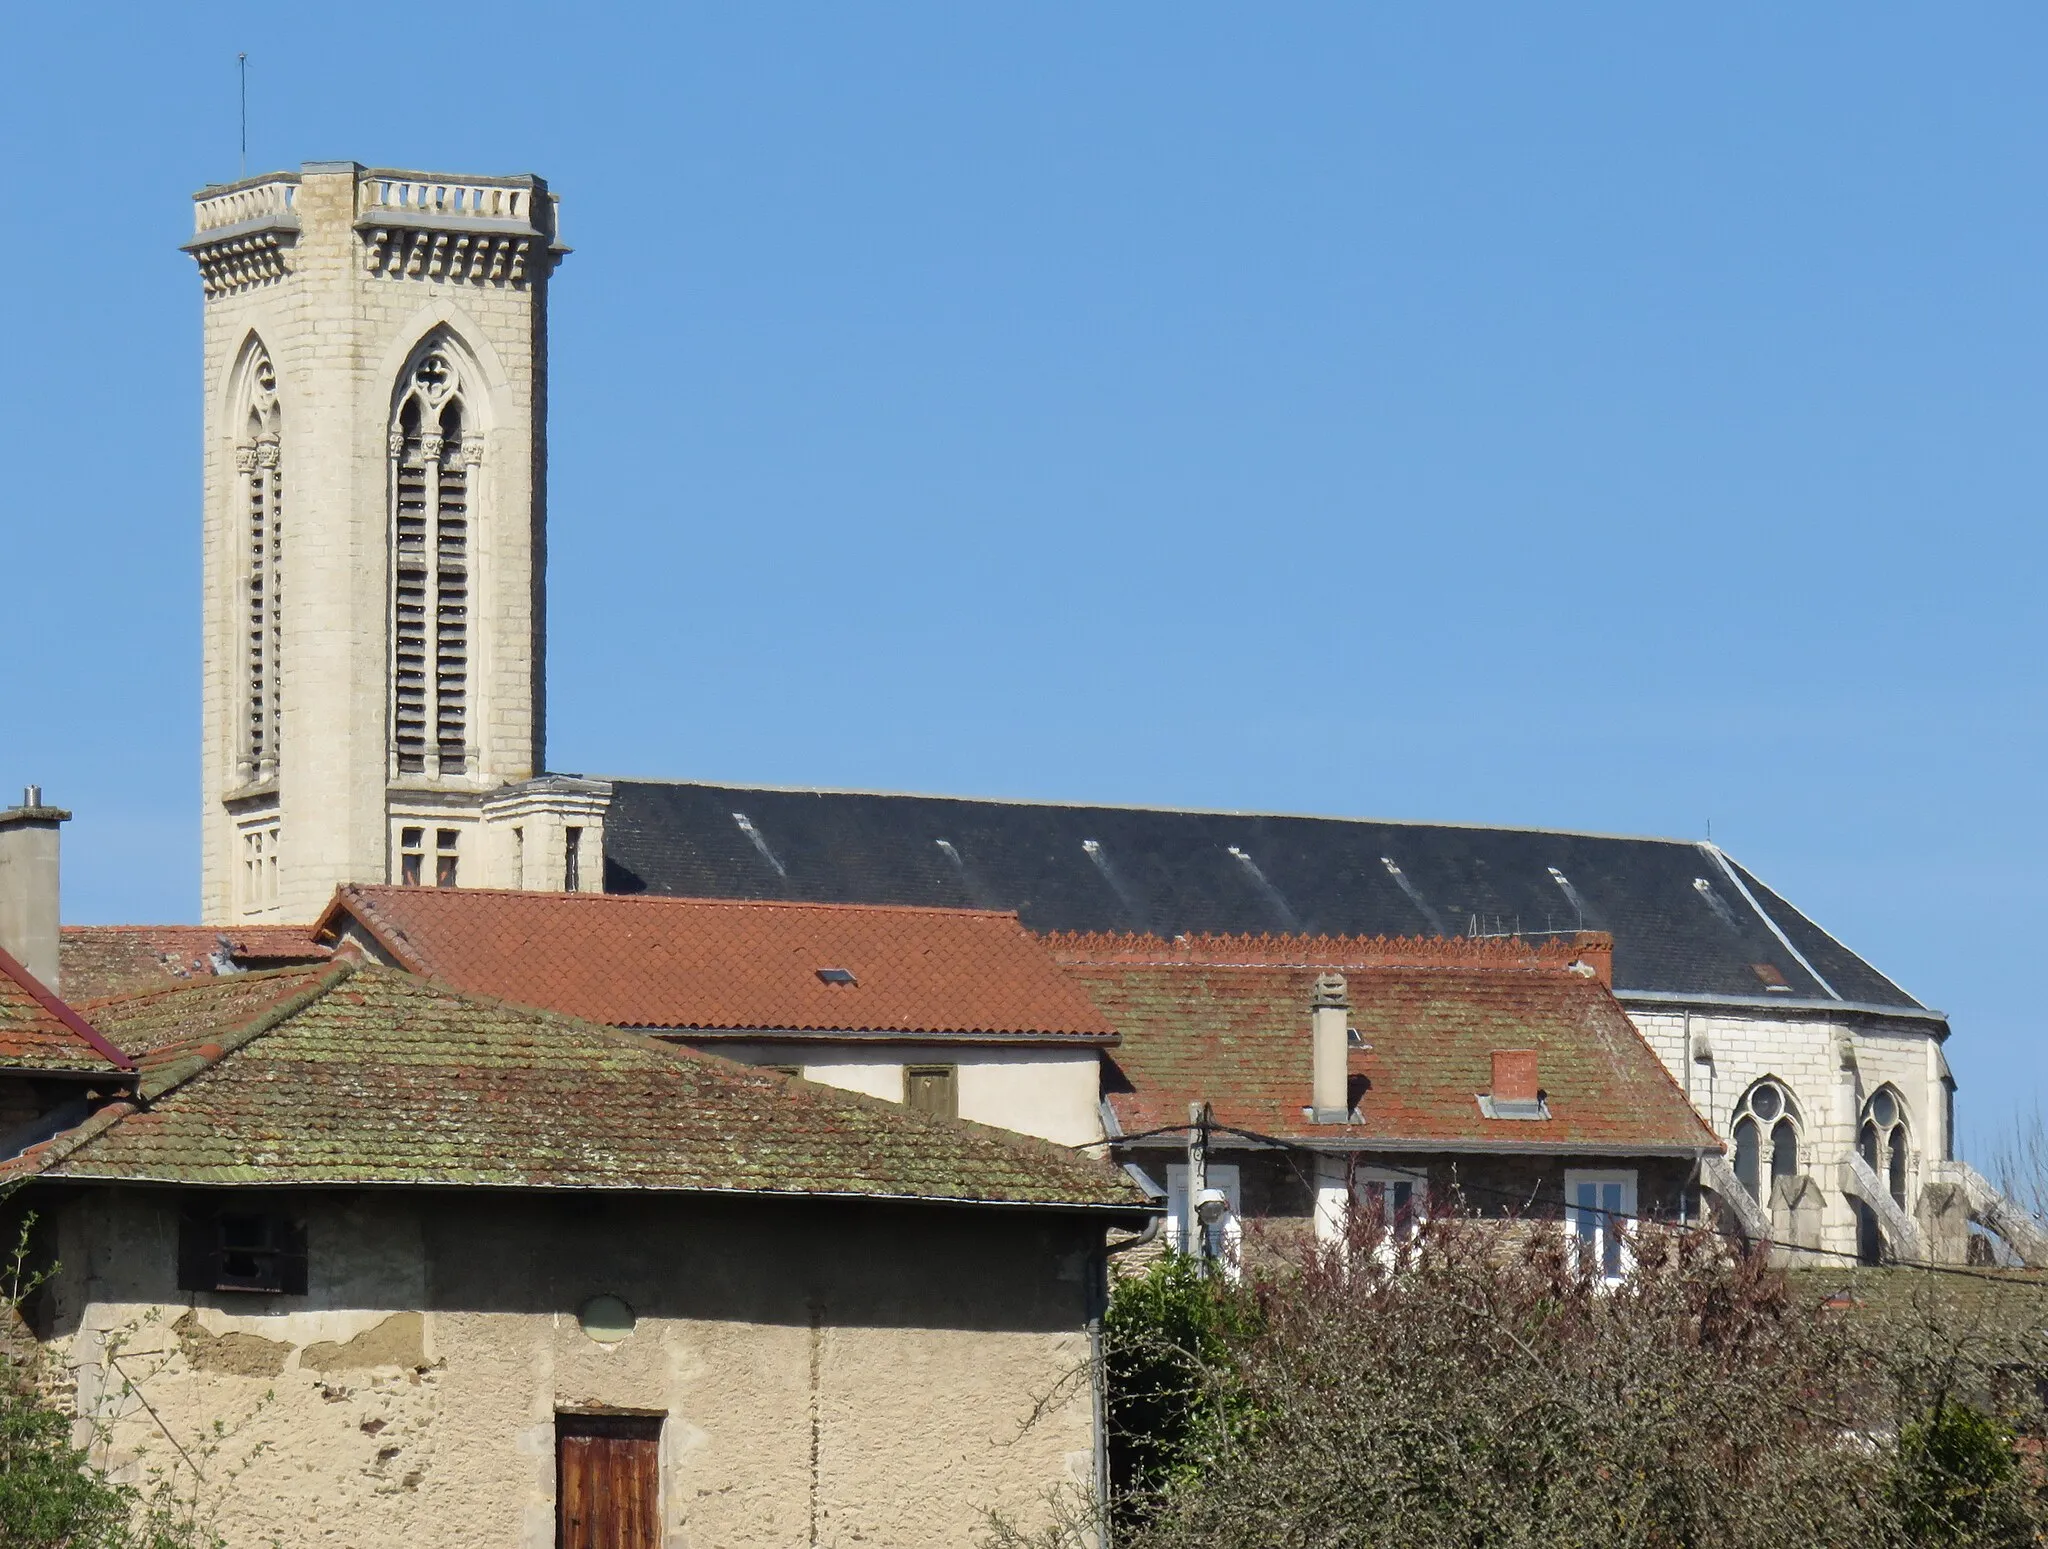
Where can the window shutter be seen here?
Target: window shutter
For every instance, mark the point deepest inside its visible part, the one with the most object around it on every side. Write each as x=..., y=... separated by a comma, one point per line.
x=932, y=1089
x=291, y=1257
x=198, y=1248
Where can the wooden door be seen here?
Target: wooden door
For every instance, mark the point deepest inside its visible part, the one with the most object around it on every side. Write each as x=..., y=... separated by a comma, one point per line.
x=607, y=1482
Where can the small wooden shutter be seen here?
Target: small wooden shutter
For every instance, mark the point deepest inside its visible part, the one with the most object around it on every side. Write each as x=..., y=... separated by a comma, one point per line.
x=607, y=1482
x=198, y=1247
x=291, y=1257
x=932, y=1089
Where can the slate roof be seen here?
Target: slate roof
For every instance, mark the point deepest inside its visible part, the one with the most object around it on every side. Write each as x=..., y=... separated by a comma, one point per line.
x=99, y=960
x=41, y=1033
x=727, y=966
x=373, y=1076
x=1680, y=918
x=1227, y=1021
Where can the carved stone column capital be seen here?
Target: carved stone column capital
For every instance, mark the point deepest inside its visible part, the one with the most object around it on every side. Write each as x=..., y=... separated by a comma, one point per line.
x=430, y=447
x=245, y=459
x=266, y=452
x=396, y=442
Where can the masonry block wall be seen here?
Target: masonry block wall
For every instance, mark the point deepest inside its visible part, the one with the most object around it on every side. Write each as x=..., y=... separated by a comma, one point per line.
x=1830, y=1065
x=325, y=290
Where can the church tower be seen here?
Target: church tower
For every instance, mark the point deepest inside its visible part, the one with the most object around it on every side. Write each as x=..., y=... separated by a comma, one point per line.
x=375, y=522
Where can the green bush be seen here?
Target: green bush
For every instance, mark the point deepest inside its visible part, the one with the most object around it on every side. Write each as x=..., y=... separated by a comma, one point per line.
x=1959, y=1481
x=1169, y=1338
x=50, y=1495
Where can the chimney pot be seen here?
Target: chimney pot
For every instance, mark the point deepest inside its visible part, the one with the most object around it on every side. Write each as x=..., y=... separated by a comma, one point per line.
x=28, y=885
x=1329, y=1021
x=1514, y=1076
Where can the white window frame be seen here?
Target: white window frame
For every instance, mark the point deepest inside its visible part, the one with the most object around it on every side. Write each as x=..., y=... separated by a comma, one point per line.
x=259, y=887
x=1226, y=1237
x=1603, y=1227
x=1367, y=1182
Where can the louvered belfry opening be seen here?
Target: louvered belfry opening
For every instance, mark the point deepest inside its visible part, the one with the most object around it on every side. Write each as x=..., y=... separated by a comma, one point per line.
x=259, y=466
x=433, y=464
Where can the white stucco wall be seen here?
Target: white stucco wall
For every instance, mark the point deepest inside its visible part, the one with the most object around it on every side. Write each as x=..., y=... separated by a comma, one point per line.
x=1052, y=1093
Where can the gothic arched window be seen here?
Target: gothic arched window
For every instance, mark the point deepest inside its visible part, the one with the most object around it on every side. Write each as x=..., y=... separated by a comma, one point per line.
x=434, y=456
x=259, y=475
x=1766, y=1127
x=1885, y=1145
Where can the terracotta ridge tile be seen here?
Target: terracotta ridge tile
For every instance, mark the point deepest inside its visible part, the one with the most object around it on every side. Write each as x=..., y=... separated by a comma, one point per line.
x=1283, y=950
x=663, y=900
x=181, y=986
x=65, y=1143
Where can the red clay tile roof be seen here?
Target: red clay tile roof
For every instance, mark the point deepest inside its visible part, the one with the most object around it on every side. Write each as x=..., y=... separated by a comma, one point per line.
x=367, y=1075
x=1235, y=1032
x=39, y=1032
x=719, y=965
x=100, y=960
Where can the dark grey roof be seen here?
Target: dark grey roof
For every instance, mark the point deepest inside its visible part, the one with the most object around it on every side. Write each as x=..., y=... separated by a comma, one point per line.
x=1685, y=920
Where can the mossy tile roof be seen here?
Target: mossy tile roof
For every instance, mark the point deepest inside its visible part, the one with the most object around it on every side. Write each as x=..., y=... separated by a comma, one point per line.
x=374, y=1076
x=101, y=960
x=1236, y=1034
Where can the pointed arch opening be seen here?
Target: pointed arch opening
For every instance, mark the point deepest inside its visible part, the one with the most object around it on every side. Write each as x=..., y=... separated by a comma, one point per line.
x=436, y=450
x=259, y=523
x=1885, y=1143
x=1766, y=1135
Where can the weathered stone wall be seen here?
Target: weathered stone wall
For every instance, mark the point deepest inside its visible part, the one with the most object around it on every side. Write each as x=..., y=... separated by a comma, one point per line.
x=829, y=1373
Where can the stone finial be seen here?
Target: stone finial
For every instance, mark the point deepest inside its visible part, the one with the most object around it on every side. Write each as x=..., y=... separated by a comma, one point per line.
x=1331, y=990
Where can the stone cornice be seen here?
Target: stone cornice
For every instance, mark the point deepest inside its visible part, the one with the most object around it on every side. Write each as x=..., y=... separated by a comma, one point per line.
x=479, y=231
x=243, y=232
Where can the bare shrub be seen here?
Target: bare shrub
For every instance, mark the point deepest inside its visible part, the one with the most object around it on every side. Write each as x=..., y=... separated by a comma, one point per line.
x=1483, y=1388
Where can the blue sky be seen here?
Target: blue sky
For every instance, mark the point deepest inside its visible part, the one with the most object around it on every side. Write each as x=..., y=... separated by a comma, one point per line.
x=1579, y=416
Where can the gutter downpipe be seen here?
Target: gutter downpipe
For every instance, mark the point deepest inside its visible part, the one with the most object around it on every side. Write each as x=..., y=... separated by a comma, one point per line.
x=1098, y=1378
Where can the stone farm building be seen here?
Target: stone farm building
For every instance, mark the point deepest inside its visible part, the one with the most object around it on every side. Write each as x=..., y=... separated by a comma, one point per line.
x=479, y=1266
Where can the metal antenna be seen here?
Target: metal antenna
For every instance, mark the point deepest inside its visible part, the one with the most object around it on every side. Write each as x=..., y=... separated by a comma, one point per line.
x=242, y=64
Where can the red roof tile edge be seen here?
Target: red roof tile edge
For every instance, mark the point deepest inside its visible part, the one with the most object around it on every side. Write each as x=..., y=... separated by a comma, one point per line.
x=1593, y=948
x=75, y=1023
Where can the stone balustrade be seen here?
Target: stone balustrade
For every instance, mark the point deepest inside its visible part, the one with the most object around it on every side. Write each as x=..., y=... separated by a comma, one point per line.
x=215, y=209
x=392, y=196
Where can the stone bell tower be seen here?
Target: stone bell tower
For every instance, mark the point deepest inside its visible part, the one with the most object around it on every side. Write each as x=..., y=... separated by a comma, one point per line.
x=375, y=514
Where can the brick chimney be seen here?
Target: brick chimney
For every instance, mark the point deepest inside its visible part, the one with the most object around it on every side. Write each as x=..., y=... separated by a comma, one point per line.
x=1329, y=1022
x=1593, y=955
x=1514, y=1075
x=28, y=885
x=1515, y=1093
